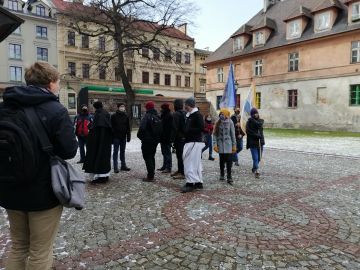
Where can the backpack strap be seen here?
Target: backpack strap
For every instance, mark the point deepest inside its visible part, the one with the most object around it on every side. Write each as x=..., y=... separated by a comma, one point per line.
x=41, y=134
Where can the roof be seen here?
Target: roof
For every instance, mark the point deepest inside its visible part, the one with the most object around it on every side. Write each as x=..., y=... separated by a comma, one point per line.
x=278, y=13
x=204, y=52
x=265, y=23
x=170, y=31
x=8, y=23
x=326, y=4
x=245, y=29
x=299, y=12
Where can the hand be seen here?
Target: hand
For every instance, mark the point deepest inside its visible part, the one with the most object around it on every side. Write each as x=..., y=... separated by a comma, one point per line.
x=234, y=149
x=216, y=149
x=128, y=139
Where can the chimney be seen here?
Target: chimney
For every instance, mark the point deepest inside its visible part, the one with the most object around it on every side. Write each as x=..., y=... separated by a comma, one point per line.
x=183, y=28
x=268, y=3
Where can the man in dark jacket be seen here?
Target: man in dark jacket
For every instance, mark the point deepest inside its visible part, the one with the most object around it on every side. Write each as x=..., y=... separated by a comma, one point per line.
x=194, y=127
x=33, y=210
x=239, y=134
x=255, y=139
x=178, y=136
x=97, y=161
x=121, y=132
x=83, y=121
x=165, y=142
x=149, y=137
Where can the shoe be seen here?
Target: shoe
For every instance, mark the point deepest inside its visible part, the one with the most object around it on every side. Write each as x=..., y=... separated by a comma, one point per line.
x=179, y=176
x=211, y=158
x=253, y=170
x=161, y=169
x=236, y=163
x=174, y=174
x=199, y=185
x=257, y=174
x=100, y=180
x=166, y=171
x=148, y=179
x=189, y=187
x=230, y=181
x=222, y=178
x=116, y=170
x=126, y=169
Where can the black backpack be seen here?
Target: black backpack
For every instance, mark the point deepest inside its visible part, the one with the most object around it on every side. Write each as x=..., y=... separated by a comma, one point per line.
x=156, y=127
x=18, y=147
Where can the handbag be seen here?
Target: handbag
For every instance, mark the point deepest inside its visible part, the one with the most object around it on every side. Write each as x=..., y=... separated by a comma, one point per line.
x=67, y=182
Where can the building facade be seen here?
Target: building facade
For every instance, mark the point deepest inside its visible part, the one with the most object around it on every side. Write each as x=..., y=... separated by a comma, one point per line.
x=304, y=57
x=34, y=40
x=200, y=70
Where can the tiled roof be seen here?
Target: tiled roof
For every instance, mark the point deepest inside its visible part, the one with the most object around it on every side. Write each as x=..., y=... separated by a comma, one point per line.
x=299, y=12
x=173, y=32
x=328, y=4
x=278, y=13
x=245, y=29
x=265, y=23
x=204, y=52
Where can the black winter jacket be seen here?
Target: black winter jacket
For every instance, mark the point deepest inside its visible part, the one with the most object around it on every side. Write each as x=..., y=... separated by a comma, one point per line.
x=121, y=125
x=194, y=127
x=145, y=133
x=254, y=132
x=167, y=122
x=177, y=133
x=38, y=195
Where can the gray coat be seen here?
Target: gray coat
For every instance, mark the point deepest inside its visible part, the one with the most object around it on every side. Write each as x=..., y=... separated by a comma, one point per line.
x=226, y=139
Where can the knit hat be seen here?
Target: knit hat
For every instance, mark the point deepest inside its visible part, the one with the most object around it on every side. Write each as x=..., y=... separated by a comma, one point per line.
x=225, y=112
x=190, y=102
x=165, y=106
x=149, y=105
x=178, y=104
x=253, y=111
x=97, y=105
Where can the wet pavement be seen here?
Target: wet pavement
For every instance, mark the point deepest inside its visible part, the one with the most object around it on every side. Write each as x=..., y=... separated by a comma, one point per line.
x=303, y=213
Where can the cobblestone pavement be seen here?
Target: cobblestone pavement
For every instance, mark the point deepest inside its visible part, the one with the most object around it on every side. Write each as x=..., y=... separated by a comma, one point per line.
x=303, y=213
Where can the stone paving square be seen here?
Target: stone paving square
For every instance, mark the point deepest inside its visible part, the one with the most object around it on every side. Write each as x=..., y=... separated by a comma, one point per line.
x=303, y=213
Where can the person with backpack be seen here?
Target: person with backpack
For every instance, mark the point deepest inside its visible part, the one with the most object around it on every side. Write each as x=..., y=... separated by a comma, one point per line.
x=97, y=161
x=120, y=123
x=178, y=136
x=149, y=133
x=208, y=131
x=239, y=134
x=83, y=121
x=167, y=122
x=193, y=146
x=25, y=179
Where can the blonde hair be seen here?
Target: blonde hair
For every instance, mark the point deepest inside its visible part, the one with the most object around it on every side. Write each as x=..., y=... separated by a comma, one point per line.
x=41, y=74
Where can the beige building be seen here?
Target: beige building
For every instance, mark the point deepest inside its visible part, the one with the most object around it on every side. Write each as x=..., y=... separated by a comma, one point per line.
x=149, y=71
x=35, y=40
x=304, y=56
x=200, y=70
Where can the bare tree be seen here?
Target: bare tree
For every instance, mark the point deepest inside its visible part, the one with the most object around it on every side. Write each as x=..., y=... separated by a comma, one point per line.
x=132, y=25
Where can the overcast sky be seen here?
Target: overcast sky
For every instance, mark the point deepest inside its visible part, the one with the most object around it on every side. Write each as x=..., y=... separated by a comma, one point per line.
x=217, y=20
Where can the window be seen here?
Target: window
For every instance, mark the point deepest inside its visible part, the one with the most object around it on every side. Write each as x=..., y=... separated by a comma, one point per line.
x=202, y=69
x=13, y=5
x=167, y=79
x=355, y=12
x=156, y=78
x=42, y=54
x=15, y=74
x=71, y=101
x=136, y=111
x=145, y=77
x=202, y=87
x=102, y=72
x=187, y=58
x=40, y=10
x=355, y=52
x=322, y=21
x=71, y=38
x=258, y=68
x=86, y=71
x=14, y=51
x=17, y=31
x=72, y=68
x=218, y=100
x=168, y=55
x=145, y=52
x=293, y=61
x=41, y=32
x=117, y=74
x=129, y=75
x=258, y=100
x=294, y=29
x=187, y=81
x=292, y=98
x=178, y=57
x=238, y=44
x=85, y=41
x=259, y=38
x=355, y=95
x=178, y=80
x=220, y=75
x=156, y=54
x=102, y=44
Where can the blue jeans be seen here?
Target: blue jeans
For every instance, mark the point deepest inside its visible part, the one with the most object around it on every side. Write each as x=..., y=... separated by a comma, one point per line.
x=166, y=152
x=82, y=145
x=239, y=148
x=256, y=157
x=119, y=143
x=208, y=145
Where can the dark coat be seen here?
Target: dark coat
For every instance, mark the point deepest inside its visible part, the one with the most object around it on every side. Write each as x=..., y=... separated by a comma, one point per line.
x=239, y=133
x=194, y=127
x=167, y=122
x=254, y=132
x=178, y=127
x=38, y=195
x=98, y=146
x=145, y=133
x=121, y=125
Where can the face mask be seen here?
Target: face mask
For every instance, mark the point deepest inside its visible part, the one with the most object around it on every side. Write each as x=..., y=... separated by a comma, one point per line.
x=208, y=119
x=84, y=111
x=122, y=109
x=222, y=117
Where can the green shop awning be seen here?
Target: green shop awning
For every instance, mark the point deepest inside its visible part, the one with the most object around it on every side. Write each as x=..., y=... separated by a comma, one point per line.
x=8, y=23
x=117, y=89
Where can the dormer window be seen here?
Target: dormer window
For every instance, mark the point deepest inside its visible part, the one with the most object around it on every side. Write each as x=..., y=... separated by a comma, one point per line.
x=40, y=10
x=294, y=29
x=238, y=44
x=355, y=12
x=259, y=38
x=322, y=21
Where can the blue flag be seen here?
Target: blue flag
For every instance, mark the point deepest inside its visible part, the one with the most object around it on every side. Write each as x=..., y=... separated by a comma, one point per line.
x=228, y=99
